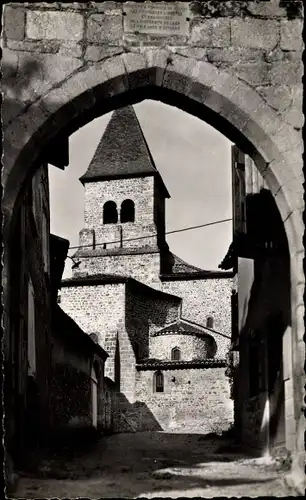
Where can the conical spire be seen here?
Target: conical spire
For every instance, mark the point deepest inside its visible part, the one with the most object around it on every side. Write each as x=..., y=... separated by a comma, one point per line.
x=122, y=150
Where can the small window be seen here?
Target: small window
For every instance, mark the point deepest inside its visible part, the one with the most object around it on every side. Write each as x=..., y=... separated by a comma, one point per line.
x=127, y=213
x=158, y=382
x=110, y=214
x=175, y=354
x=210, y=322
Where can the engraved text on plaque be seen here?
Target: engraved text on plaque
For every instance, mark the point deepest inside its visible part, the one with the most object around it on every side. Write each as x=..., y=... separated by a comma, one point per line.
x=156, y=18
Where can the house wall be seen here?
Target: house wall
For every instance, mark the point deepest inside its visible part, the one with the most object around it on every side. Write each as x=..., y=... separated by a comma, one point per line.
x=71, y=386
x=196, y=401
x=203, y=298
x=264, y=324
x=27, y=335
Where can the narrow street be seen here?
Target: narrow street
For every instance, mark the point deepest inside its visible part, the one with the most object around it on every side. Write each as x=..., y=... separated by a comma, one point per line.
x=155, y=464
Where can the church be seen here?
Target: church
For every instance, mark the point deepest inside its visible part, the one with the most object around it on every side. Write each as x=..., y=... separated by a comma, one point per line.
x=165, y=324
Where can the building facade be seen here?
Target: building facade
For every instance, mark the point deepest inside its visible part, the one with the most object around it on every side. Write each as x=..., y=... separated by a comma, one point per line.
x=261, y=312
x=53, y=372
x=26, y=343
x=141, y=300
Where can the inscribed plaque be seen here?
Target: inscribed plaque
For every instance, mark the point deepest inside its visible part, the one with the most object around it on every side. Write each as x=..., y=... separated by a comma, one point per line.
x=156, y=18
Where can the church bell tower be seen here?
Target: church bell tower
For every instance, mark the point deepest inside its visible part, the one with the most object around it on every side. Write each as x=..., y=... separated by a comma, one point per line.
x=124, y=206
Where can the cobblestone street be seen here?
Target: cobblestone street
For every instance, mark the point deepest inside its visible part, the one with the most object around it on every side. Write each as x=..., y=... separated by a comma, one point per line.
x=151, y=465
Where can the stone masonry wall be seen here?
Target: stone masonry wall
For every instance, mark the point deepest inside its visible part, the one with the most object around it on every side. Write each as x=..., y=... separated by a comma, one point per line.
x=143, y=267
x=196, y=401
x=145, y=315
x=191, y=347
x=260, y=42
x=139, y=190
x=96, y=308
x=203, y=298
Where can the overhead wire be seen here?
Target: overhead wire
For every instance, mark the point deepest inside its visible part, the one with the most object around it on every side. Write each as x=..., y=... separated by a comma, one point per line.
x=152, y=235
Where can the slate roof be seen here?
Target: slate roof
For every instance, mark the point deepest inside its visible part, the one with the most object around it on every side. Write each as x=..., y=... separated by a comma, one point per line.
x=156, y=364
x=105, y=279
x=185, y=327
x=122, y=151
x=181, y=270
x=180, y=266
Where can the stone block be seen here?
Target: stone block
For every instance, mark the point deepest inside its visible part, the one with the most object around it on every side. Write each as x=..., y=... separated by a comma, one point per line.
x=157, y=59
x=14, y=22
x=9, y=63
x=193, y=52
x=108, y=7
x=104, y=28
x=278, y=98
x=294, y=227
x=254, y=74
x=234, y=54
x=286, y=73
x=138, y=74
x=54, y=25
x=274, y=55
x=220, y=32
x=178, y=73
x=211, y=32
x=115, y=70
x=200, y=33
x=294, y=115
x=41, y=46
x=255, y=33
x=293, y=55
x=291, y=34
x=269, y=9
x=43, y=72
x=70, y=49
x=99, y=52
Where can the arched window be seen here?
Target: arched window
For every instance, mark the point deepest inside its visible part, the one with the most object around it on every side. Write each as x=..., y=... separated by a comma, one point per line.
x=110, y=214
x=210, y=322
x=127, y=213
x=158, y=381
x=175, y=354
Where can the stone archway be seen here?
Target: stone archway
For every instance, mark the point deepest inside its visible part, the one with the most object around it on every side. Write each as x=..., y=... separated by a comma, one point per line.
x=225, y=101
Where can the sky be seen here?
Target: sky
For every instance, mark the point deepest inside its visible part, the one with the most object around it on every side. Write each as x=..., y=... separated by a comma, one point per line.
x=195, y=164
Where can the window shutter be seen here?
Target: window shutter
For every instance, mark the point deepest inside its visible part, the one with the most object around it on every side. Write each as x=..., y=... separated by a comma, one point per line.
x=238, y=191
x=31, y=330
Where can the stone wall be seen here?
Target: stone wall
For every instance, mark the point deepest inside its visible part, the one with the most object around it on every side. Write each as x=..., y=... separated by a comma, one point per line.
x=256, y=41
x=203, y=298
x=191, y=347
x=143, y=266
x=139, y=190
x=146, y=314
x=194, y=400
x=96, y=309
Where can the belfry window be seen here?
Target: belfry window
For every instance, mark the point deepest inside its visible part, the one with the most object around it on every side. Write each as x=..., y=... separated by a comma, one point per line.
x=127, y=213
x=110, y=214
x=175, y=354
x=210, y=322
x=158, y=382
